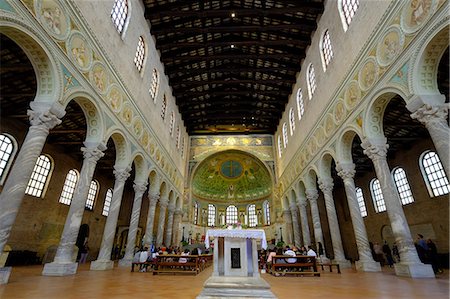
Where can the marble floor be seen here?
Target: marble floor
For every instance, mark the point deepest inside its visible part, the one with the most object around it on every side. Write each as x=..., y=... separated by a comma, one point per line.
x=28, y=283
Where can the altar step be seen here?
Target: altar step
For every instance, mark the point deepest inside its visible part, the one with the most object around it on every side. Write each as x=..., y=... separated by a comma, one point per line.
x=235, y=287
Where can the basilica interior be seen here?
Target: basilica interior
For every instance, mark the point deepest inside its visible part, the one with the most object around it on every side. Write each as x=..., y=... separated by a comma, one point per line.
x=145, y=123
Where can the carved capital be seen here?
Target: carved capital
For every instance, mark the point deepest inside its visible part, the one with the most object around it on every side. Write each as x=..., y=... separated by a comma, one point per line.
x=375, y=151
x=293, y=208
x=178, y=212
x=163, y=202
x=302, y=203
x=140, y=188
x=312, y=195
x=326, y=185
x=46, y=119
x=171, y=208
x=121, y=174
x=92, y=154
x=346, y=170
x=431, y=113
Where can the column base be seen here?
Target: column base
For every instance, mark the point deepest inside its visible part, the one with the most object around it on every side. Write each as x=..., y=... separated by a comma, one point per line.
x=343, y=264
x=60, y=269
x=125, y=262
x=418, y=270
x=5, y=272
x=367, y=266
x=101, y=265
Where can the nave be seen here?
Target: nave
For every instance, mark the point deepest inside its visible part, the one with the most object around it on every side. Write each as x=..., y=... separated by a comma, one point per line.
x=28, y=283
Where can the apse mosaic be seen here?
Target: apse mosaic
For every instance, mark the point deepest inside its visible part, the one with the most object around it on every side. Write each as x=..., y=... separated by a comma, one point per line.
x=231, y=176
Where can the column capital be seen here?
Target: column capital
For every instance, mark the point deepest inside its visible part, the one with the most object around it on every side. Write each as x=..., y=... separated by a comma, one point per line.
x=140, y=187
x=171, y=208
x=346, y=170
x=302, y=202
x=375, y=150
x=92, y=153
x=326, y=184
x=48, y=117
x=431, y=113
x=312, y=195
x=122, y=174
x=163, y=202
x=293, y=207
x=178, y=212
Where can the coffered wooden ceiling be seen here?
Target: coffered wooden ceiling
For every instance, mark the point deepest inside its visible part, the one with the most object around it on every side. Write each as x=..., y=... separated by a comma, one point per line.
x=232, y=63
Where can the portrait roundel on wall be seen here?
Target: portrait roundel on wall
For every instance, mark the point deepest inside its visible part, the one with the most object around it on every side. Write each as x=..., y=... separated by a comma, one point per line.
x=231, y=169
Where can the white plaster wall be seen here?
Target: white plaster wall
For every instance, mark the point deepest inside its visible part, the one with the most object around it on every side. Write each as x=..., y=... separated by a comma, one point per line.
x=121, y=50
x=346, y=47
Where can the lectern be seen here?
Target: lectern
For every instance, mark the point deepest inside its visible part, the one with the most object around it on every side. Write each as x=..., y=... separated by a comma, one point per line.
x=236, y=272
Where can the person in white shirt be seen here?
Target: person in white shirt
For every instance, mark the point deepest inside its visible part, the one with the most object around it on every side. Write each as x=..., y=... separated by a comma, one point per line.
x=290, y=252
x=311, y=252
x=142, y=259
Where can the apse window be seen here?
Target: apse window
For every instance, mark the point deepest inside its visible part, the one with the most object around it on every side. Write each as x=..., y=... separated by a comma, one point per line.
x=433, y=173
x=39, y=177
x=7, y=148
x=361, y=202
x=119, y=14
x=311, y=80
x=107, y=205
x=69, y=187
x=403, y=188
x=211, y=215
x=92, y=194
x=377, y=196
x=196, y=213
x=267, y=212
x=252, y=219
x=327, y=50
x=140, y=54
x=232, y=215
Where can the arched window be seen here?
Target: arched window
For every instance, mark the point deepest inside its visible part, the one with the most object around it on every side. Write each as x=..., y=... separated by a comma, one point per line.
x=266, y=208
x=347, y=9
x=178, y=137
x=252, y=219
x=69, y=187
x=403, y=188
x=154, y=85
x=433, y=173
x=377, y=196
x=361, y=202
x=140, y=54
x=119, y=14
x=172, y=123
x=285, y=135
x=8, y=148
x=326, y=49
x=292, y=120
x=92, y=195
x=164, y=107
x=311, y=79
x=39, y=177
x=182, y=147
x=232, y=215
x=195, y=213
x=211, y=215
x=300, y=105
x=279, y=146
x=107, y=205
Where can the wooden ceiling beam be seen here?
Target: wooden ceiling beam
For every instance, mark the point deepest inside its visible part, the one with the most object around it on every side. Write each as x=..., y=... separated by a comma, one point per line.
x=278, y=42
x=225, y=29
x=192, y=84
x=192, y=94
x=231, y=56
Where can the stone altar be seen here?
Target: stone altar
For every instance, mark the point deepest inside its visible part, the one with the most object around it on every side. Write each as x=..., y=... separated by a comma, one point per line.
x=236, y=273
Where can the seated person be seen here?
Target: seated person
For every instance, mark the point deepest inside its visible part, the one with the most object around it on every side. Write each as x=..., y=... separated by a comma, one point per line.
x=142, y=259
x=183, y=259
x=311, y=252
x=290, y=252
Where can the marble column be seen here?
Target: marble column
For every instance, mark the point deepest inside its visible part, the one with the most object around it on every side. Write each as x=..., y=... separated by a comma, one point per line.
x=168, y=236
x=296, y=226
x=176, y=227
x=153, y=200
x=104, y=261
x=312, y=195
x=365, y=263
x=410, y=264
x=16, y=183
x=163, y=202
x=64, y=263
x=288, y=227
x=301, y=202
x=435, y=120
x=139, y=189
x=326, y=185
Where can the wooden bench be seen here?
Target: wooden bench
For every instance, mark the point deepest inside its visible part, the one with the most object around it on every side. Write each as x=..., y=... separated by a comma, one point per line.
x=170, y=264
x=304, y=265
x=331, y=265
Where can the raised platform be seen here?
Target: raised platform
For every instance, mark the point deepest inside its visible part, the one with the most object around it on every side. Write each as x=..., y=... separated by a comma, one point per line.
x=236, y=287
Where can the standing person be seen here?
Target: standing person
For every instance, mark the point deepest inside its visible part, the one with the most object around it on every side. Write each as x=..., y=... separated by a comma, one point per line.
x=378, y=253
x=433, y=256
x=387, y=252
x=320, y=251
x=84, y=253
x=422, y=248
x=395, y=253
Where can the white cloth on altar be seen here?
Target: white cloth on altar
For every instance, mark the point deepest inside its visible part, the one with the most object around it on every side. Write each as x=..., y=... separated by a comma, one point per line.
x=237, y=233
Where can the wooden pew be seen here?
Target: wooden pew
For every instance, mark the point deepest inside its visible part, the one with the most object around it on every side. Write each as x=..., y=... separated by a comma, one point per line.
x=304, y=265
x=170, y=264
x=331, y=265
